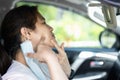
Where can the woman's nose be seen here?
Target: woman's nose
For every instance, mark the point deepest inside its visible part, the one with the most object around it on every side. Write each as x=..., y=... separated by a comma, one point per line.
x=51, y=29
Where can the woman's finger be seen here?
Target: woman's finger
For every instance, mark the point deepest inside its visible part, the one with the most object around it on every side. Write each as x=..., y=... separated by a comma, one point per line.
x=56, y=45
x=31, y=55
x=62, y=46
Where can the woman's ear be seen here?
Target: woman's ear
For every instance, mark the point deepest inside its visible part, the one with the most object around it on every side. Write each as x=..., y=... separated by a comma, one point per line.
x=25, y=33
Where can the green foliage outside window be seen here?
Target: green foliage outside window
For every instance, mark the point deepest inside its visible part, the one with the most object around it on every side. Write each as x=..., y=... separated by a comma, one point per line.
x=68, y=26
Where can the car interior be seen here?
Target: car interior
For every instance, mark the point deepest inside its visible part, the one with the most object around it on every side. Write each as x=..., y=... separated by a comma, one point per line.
x=97, y=57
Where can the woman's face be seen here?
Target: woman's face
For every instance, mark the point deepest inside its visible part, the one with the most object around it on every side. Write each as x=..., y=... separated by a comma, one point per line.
x=42, y=34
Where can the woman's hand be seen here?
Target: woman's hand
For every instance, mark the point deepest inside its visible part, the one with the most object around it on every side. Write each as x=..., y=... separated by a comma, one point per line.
x=46, y=54
x=62, y=57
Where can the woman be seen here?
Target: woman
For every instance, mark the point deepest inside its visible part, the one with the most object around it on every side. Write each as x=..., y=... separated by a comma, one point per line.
x=26, y=23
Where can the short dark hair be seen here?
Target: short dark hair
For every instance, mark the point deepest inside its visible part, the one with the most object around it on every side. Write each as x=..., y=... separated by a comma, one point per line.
x=14, y=20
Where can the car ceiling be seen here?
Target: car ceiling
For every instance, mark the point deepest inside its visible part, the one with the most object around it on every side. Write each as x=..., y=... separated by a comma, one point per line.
x=75, y=5
x=79, y=6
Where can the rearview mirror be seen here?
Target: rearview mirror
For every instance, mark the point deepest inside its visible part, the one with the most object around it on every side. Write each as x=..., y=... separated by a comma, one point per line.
x=107, y=39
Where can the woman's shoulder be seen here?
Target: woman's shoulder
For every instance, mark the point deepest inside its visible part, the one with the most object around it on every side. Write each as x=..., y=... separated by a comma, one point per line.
x=18, y=71
x=17, y=67
x=17, y=76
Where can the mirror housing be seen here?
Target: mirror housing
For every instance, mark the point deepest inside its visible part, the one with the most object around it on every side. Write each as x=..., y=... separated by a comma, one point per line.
x=107, y=39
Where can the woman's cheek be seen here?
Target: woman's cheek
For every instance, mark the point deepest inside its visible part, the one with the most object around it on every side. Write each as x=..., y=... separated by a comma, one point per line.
x=36, y=41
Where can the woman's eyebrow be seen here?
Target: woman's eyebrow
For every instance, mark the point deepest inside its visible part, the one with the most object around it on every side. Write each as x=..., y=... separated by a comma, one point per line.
x=41, y=17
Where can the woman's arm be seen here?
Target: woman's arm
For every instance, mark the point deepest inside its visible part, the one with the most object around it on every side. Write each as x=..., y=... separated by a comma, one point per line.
x=56, y=71
x=62, y=57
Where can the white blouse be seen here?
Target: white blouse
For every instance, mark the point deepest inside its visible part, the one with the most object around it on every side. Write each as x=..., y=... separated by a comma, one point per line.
x=18, y=71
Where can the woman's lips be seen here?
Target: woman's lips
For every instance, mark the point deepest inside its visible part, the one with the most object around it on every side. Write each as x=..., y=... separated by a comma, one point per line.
x=53, y=35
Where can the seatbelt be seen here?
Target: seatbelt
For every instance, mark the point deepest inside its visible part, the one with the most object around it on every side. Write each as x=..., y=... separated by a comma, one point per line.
x=26, y=47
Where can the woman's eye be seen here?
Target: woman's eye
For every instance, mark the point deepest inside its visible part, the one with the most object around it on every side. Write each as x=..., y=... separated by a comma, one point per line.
x=44, y=23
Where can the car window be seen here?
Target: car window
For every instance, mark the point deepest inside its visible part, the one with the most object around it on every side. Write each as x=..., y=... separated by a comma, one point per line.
x=74, y=29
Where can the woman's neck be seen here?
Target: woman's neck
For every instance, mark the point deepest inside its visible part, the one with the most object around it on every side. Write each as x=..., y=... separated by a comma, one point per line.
x=20, y=57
